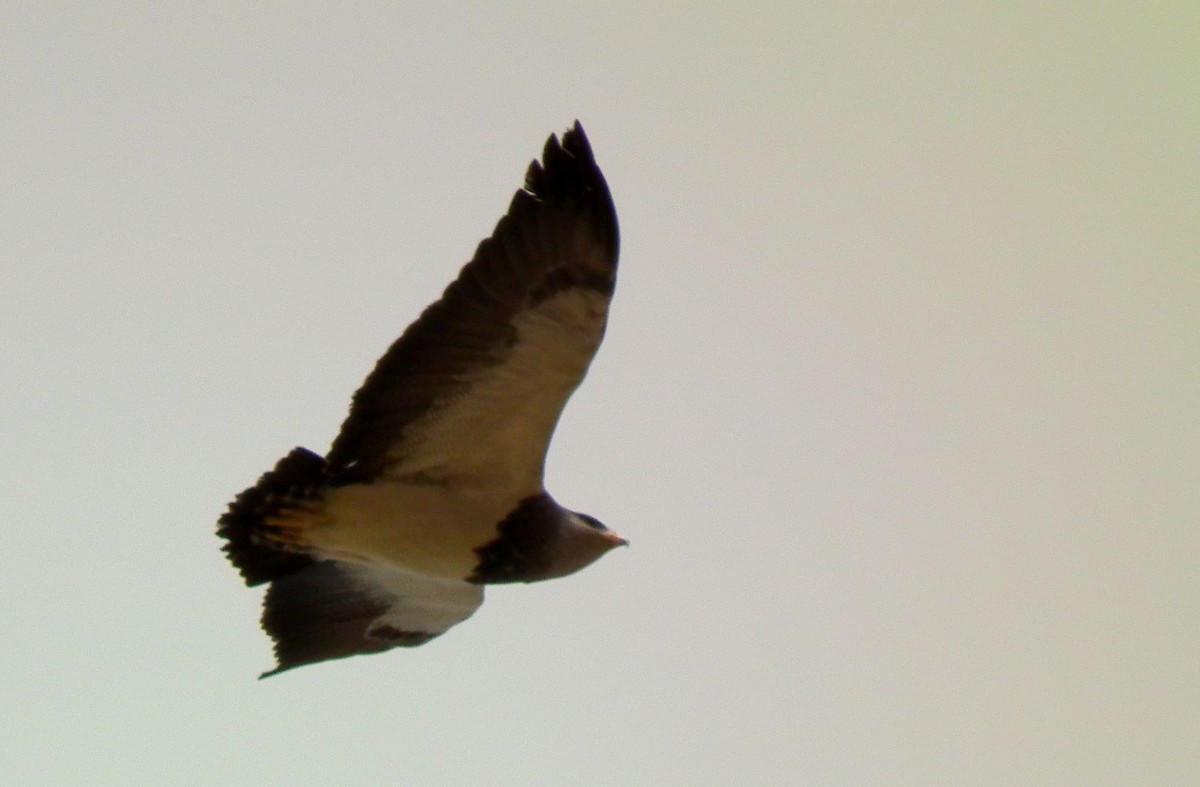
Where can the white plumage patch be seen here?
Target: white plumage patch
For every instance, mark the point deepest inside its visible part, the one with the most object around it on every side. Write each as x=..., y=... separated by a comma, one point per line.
x=415, y=602
x=496, y=429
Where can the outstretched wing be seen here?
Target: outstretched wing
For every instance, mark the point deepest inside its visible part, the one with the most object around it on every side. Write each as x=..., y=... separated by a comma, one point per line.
x=333, y=609
x=474, y=388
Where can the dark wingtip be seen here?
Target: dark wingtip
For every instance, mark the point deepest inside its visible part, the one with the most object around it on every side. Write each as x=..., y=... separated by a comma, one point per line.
x=574, y=142
x=568, y=172
x=573, y=152
x=575, y=139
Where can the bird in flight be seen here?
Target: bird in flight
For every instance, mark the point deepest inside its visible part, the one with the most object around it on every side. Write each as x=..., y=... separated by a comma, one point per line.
x=433, y=488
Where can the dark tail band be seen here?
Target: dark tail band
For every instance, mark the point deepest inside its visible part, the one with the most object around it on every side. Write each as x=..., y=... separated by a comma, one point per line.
x=297, y=477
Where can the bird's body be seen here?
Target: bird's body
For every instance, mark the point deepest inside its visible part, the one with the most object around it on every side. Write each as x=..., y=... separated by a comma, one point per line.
x=420, y=527
x=434, y=488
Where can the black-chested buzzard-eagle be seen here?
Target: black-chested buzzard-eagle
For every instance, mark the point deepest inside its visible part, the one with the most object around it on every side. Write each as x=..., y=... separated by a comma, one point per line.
x=434, y=488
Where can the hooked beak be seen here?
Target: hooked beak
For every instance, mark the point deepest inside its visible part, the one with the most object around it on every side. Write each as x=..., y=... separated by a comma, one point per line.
x=616, y=540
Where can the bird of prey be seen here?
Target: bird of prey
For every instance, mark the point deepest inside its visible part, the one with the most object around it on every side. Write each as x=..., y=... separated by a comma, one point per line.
x=433, y=488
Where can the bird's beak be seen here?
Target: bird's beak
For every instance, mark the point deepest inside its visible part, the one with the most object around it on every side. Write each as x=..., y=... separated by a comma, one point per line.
x=616, y=540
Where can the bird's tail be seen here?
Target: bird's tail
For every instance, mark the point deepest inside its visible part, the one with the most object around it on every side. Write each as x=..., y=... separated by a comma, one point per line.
x=256, y=524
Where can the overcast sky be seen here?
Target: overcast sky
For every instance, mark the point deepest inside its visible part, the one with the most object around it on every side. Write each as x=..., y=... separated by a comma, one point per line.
x=898, y=404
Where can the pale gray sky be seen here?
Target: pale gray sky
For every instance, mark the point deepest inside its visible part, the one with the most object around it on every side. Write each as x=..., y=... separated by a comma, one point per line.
x=898, y=404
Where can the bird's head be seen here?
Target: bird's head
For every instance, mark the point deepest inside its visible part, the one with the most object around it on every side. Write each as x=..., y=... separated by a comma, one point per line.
x=581, y=541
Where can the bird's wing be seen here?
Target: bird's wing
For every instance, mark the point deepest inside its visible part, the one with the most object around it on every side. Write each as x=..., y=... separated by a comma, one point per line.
x=334, y=609
x=473, y=389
